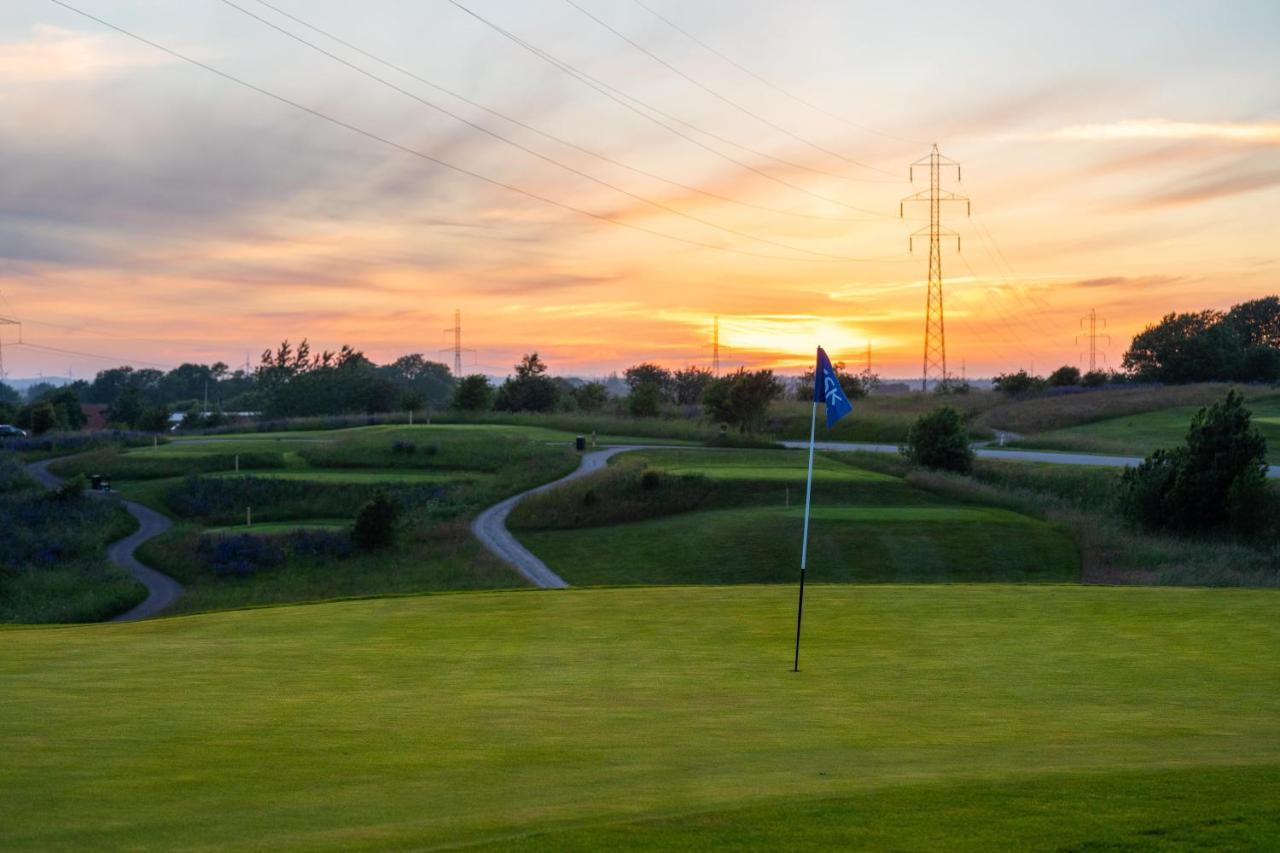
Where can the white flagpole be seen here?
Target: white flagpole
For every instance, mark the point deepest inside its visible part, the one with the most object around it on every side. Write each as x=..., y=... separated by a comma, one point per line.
x=804, y=546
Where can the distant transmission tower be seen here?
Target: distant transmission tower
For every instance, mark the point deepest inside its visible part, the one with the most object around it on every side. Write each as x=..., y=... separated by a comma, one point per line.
x=868, y=358
x=5, y=321
x=715, y=346
x=457, y=349
x=935, y=334
x=1092, y=336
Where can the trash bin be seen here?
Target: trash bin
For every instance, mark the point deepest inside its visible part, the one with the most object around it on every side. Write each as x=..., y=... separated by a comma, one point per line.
x=95, y=481
x=580, y=443
x=105, y=485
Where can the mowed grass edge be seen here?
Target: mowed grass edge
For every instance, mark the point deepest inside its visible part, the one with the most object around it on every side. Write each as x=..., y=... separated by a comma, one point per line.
x=465, y=718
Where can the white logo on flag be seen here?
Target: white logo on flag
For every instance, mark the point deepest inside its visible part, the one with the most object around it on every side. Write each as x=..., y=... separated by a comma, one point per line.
x=832, y=390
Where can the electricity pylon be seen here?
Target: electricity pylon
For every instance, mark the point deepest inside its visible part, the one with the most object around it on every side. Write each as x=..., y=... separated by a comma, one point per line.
x=1092, y=336
x=715, y=347
x=457, y=349
x=5, y=321
x=935, y=330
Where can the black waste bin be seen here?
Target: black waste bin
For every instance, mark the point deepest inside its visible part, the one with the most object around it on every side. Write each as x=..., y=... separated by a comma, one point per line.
x=580, y=443
x=95, y=481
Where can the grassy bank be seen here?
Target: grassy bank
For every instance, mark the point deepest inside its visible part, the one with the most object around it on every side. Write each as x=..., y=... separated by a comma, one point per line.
x=1082, y=501
x=740, y=521
x=965, y=717
x=1140, y=434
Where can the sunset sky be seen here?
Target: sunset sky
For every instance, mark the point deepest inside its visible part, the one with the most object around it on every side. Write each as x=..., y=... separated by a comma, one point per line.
x=1123, y=157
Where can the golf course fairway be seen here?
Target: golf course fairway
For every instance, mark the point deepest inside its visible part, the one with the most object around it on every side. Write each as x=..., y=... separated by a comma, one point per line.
x=957, y=716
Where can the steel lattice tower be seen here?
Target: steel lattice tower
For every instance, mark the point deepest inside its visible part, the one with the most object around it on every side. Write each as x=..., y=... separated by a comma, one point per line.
x=1093, y=337
x=457, y=349
x=935, y=330
x=715, y=347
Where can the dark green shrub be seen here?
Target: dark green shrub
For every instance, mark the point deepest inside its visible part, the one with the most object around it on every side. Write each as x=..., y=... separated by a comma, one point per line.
x=1094, y=379
x=939, y=440
x=649, y=481
x=1017, y=384
x=1064, y=376
x=1217, y=478
x=375, y=525
x=644, y=401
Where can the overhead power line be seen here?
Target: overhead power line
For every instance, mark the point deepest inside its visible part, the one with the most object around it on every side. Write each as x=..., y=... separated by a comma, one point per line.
x=423, y=155
x=526, y=149
x=731, y=102
x=117, y=359
x=651, y=113
x=604, y=158
x=774, y=86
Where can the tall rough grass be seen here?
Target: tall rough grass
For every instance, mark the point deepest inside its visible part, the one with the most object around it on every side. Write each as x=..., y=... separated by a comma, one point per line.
x=620, y=493
x=1039, y=414
x=111, y=463
x=52, y=566
x=1082, y=501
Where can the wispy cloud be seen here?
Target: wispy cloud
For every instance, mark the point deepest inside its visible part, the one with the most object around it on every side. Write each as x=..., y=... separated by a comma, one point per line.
x=1259, y=133
x=53, y=53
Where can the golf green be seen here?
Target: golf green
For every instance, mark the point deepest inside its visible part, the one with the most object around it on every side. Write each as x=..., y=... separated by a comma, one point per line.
x=966, y=717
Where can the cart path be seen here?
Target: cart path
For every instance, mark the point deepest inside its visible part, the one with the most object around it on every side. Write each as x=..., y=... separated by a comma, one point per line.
x=162, y=590
x=987, y=452
x=490, y=526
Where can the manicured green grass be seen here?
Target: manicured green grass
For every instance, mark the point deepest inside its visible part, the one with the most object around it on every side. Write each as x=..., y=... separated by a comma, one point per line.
x=866, y=527
x=1138, y=435
x=937, y=717
x=762, y=545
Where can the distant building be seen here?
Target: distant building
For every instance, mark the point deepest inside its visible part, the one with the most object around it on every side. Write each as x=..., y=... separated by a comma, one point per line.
x=96, y=415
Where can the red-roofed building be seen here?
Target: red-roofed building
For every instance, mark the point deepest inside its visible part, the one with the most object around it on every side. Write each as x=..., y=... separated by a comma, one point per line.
x=97, y=415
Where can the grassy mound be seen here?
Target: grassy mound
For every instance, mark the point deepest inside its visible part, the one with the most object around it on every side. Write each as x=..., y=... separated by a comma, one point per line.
x=1138, y=435
x=746, y=527
x=968, y=717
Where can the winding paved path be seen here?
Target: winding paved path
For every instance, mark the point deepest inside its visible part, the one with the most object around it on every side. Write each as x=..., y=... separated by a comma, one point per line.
x=490, y=526
x=986, y=452
x=162, y=590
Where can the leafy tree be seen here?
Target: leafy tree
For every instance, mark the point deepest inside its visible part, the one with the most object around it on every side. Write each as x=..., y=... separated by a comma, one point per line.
x=431, y=379
x=191, y=382
x=126, y=409
x=1064, y=376
x=854, y=385
x=473, y=394
x=1257, y=321
x=590, y=396
x=153, y=419
x=939, y=440
x=66, y=407
x=644, y=400
x=9, y=397
x=648, y=373
x=109, y=385
x=412, y=401
x=742, y=398
x=1016, y=384
x=1191, y=347
x=530, y=390
x=37, y=391
x=43, y=418
x=1094, y=379
x=1217, y=477
x=375, y=526
x=688, y=385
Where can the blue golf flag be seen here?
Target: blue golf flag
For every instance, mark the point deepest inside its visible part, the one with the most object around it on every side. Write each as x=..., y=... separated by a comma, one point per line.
x=826, y=389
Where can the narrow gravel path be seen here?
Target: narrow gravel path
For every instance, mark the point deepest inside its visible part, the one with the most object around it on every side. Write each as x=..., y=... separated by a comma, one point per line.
x=490, y=526
x=162, y=590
